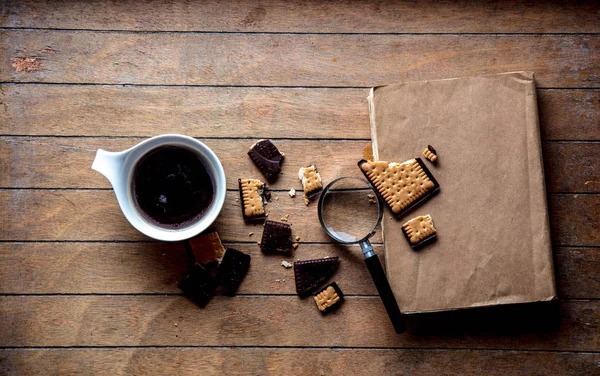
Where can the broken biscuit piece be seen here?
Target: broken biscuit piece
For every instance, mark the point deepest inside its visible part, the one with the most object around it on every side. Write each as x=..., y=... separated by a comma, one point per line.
x=329, y=298
x=267, y=158
x=311, y=181
x=430, y=153
x=252, y=194
x=402, y=186
x=419, y=230
x=207, y=248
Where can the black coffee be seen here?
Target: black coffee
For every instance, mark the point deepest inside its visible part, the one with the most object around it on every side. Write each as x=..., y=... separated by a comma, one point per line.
x=171, y=186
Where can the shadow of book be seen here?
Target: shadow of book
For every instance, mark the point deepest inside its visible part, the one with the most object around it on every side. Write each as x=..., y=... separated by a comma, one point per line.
x=514, y=319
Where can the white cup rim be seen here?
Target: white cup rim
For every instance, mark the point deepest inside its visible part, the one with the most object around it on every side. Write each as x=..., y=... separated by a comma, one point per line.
x=122, y=180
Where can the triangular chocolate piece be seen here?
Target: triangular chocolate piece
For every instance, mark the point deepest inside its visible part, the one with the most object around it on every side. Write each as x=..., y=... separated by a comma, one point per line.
x=267, y=158
x=310, y=274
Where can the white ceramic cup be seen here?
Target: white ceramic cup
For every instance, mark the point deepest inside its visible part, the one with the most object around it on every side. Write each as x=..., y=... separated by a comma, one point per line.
x=118, y=169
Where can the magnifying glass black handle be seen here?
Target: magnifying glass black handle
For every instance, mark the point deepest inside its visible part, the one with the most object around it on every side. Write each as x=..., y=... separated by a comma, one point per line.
x=385, y=292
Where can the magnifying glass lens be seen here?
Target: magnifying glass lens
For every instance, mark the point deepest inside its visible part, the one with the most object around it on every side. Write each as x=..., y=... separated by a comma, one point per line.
x=349, y=210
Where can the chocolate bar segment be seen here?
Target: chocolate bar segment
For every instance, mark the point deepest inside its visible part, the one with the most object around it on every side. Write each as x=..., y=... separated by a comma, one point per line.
x=267, y=158
x=199, y=285
x=403, y=186
x=276, y=237
x=419, y=231
x=310, y=274
x=231, y=271
x=329, y=298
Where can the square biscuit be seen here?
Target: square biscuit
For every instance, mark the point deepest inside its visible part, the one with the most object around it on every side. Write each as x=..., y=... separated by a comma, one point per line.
x=251, y=194
x=329, y=298
x=401, y=185
x=419, y=230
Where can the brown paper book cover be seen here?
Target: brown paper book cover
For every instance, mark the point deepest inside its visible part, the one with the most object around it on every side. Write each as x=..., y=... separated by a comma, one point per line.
x=493, y=239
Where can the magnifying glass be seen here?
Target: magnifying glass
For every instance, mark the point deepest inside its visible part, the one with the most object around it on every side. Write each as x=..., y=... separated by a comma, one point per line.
x=350, y=211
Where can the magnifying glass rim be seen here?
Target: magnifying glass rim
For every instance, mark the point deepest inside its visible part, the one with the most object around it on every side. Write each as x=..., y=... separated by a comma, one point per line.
x=320, y=210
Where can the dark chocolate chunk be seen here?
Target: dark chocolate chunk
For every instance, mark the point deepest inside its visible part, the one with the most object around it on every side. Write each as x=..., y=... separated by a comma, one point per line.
x=329, y=298
x=276, y=237
x=310, y=274
x=267, y=158
x=231, y=272
x=198, y=285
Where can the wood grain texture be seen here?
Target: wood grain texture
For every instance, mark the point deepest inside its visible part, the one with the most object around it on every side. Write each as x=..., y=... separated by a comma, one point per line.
x=52, y=162
x=576, y=271
x=293, y=60
x=309, y=16
x=74, y=110
x=575, y=219
x=243, y=361
x=155, y=268
x=66, y=162
x=278, y=321
x=95, y=215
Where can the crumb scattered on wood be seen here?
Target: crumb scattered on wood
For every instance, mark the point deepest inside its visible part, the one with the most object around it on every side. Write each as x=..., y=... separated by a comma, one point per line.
x=286, y=264
x=297, y=238
x=250, y=233
x=295, y=245
x=292, y=193
x=26, y=64
x=48, y=51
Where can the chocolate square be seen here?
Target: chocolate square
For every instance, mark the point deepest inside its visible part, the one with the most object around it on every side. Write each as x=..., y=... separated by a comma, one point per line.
x=276, y=237
x=198, y=285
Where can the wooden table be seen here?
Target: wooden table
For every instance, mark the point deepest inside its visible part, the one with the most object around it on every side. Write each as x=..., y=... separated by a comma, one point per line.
x=84, y=293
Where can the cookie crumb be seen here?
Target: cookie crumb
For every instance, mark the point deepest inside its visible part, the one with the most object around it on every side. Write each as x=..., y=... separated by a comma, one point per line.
x=250, y=233
x=295, y=245
x=286, y=264
x=292, y=193
x=297, y=238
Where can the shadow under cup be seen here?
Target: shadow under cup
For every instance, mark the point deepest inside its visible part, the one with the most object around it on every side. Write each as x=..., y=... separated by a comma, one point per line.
x=172, y=187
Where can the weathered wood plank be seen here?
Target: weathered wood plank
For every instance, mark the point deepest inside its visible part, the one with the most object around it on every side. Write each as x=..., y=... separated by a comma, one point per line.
x=279, y=321
x=243, y=361
x=569, y=115
x=308, y=16
x=65, y=163
x=117, y=268
x=67, y=110
x=290, y=60
x=132, y=268
x=576, y=271
x=95, y=215
x=572, y=167
x=575, y=219
x=195, y=111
